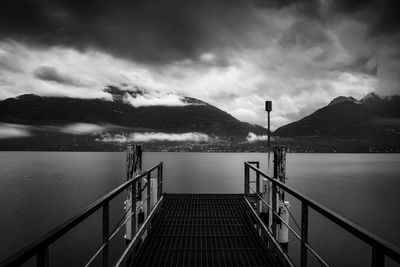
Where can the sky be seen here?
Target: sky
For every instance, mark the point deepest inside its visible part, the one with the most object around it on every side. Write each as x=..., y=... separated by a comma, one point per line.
x=233, y=54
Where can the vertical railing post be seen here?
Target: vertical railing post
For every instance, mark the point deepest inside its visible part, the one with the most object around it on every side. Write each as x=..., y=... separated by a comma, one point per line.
x=158, y=182
x=378, y=258
x=42, y=258
x=161, y=178
x=148, y=193
x=258, y=195
x=106, y=234
x=304, y=234
x=133, y=225
x=246, y=180
x=274, y=209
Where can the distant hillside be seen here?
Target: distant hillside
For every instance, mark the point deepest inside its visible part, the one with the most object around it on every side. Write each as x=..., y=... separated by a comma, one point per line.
x=49, y=113
x=371, y=120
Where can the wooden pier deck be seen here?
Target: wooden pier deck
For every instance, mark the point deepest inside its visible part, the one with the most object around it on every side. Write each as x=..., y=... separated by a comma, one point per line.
x=204, y=230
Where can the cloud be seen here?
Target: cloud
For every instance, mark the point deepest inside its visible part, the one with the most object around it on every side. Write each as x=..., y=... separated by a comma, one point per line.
x=151, y=136
x=82, y=128
x=159, y=31
x=47, y=73
x=154, y=99
x=252, y=137
x=9, y=130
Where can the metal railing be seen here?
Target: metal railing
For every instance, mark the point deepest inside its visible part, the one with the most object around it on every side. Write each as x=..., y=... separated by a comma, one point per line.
x=40, y=247
x=380, y=247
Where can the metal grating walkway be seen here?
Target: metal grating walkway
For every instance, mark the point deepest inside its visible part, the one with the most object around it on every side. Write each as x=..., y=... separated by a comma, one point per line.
x=203, y=230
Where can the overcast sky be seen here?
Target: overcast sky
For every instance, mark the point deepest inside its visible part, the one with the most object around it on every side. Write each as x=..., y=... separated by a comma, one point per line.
x=234, y=54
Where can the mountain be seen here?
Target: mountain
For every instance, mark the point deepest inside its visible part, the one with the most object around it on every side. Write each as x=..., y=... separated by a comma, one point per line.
x=78, y=124
x=341, y=99
x=370, y=124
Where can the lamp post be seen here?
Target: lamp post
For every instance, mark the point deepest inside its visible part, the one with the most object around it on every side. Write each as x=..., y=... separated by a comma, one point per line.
x=266, y=215
x=268, y=108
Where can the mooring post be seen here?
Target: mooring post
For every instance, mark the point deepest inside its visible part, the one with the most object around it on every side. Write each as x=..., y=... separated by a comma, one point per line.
x=280, y=164
x=282, y=205
x=133, y=168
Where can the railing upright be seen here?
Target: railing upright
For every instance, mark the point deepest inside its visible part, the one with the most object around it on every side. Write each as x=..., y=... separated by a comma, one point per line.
x=42, y=257
x=304, y=234
x=160, y=180
x=246, y=180
x=106, y=232
x=274, y=209
x=148, y=194
x=377, y=258
x=158, y=183
x=258, y=193
x=133, y=209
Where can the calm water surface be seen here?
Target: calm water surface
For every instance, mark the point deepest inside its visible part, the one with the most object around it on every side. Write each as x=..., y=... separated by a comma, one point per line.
x=39, y=190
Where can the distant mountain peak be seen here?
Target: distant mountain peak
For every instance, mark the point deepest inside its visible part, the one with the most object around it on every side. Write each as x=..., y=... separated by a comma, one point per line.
x=370, y=98
x=341, y=99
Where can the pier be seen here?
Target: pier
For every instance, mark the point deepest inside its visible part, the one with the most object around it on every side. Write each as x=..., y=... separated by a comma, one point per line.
x=243, y=229
x=204, y=230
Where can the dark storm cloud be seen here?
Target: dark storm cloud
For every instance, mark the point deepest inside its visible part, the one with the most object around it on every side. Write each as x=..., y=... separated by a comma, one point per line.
x=382, y=15
x=47, y=73
x=146, y=30
x=156, y=30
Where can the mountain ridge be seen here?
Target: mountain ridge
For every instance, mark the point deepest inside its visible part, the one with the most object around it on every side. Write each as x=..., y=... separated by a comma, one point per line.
x=373, y=121
x=346, y=124
x=49, y=118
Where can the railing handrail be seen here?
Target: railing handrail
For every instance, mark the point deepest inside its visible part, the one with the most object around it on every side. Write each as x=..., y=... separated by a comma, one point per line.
x=33, y=248
x=387, y=248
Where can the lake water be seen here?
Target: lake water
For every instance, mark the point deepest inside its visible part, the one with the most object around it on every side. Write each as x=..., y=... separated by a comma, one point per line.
x=40, y=190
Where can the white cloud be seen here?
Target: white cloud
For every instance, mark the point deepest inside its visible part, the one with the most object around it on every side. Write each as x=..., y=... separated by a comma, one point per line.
x=154, y=99
x=152, y=136
x=9, y=130
x=207, y=57
x=252, y=137
x=82, y=128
